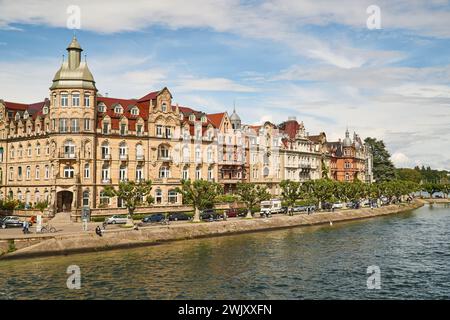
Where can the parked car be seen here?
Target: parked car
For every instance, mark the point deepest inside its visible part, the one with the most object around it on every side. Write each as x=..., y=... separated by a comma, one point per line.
x=337, y=205
x=300, y=208
x=179, y=216
x=326, y=206
x=117, y=219
x=157, y=217
x=232, y=213
x=210, y=215
x=11, y=222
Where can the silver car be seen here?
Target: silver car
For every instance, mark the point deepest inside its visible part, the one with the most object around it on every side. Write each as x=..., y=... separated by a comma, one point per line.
x=117, y=219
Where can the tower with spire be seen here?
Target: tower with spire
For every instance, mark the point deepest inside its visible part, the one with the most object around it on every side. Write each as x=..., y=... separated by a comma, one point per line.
x=235, y=119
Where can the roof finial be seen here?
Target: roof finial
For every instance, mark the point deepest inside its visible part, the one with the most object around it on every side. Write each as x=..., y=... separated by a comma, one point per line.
x=234, y=105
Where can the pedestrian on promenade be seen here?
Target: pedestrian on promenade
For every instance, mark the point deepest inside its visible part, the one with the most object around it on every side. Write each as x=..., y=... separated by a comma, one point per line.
x=98, y=231
x=26, y=227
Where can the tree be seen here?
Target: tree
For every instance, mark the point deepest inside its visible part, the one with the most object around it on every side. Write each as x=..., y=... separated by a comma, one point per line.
x=383, y=168
x=251, y=194
x=41, y=205
x=291, y=191
x=133, y=194
x=321, y=190
x=201, y=194
x=408, y=174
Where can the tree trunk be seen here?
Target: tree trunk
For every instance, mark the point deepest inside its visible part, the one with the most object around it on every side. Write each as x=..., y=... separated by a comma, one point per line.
x=249, y=213
x=196, y=215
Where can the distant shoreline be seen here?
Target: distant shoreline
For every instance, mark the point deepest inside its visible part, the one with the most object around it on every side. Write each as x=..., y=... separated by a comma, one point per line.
x=146, y=236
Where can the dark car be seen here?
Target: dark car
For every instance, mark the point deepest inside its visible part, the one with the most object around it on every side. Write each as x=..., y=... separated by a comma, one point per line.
x=179, y=216
x=284, y=210
x=300, y=208
x=210, y=215
x=158, y=217
x=11, y=222
x=232, y=213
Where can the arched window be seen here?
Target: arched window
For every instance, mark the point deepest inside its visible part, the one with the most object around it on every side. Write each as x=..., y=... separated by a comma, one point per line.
x=104, y=199
x=69, y=172
x=211, y=173
x=101, y=107
x=164, y=172
x=29, y=150
x=38, y=149
x=37, y=196
x=158, y=196
x=163, y=152
x=123, y=173
x=198, y=173
x=172, y=196
x=47, y=172
x=186, y=156
x=105, y=173
x=139, y=152
x=37, y=173
x=266, y=172
x=28, y=173
x=86, y=198
x=123, y=151
x=185, y=173
x=139, y=173
x=87, y=171
x=105, y=150
x=198, y=154
x=164, y=107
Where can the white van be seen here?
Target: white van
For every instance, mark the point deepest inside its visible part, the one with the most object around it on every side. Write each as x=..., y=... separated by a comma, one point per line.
x=270, y=206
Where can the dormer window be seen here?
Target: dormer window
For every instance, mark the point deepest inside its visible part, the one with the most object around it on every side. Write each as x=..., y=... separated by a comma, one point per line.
x=25, y=115
x=101, y=107
x=17, y=116
x=192, y=117
x=164, y=107
x=203, y=119
x=118, y=109
x=135, y=111
x=45, y=110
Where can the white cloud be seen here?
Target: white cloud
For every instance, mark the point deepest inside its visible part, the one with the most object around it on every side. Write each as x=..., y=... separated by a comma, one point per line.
x=211, y=84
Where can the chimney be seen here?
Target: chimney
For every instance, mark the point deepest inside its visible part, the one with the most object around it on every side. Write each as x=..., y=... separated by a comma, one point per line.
x=292, y=118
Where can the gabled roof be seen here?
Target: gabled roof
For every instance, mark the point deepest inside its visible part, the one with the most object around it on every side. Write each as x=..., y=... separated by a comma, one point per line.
x=216, y=118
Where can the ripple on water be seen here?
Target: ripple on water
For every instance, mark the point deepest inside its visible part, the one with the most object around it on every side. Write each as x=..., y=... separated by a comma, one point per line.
x=411, y=249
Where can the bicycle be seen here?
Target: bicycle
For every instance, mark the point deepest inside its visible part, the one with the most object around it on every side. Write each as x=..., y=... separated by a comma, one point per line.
x=48, y=229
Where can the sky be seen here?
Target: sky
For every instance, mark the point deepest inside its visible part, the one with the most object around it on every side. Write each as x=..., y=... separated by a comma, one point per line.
x=312, y=59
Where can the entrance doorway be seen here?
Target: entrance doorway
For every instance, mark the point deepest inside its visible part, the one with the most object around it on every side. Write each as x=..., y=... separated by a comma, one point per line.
x=64, y=201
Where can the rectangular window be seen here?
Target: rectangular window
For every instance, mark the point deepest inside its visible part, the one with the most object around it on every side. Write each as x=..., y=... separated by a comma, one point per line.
x=87, y=102
x=159, y=129
x=123, y=129
x=87, y=124
x=87, y=171
x=76, y=100
x=63, y=125
x=105, y=127
x=139, y=130
x=168, y=132
x=64, y=100
x=74, y=126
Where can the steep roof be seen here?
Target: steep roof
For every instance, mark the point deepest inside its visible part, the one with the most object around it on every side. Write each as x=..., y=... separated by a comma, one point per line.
x=216, y=118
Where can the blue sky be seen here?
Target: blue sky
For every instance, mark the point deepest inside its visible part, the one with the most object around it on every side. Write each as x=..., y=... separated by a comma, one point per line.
x=315, y=60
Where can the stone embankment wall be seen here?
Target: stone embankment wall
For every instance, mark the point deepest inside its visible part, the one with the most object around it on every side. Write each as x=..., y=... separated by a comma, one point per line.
x=123, y=238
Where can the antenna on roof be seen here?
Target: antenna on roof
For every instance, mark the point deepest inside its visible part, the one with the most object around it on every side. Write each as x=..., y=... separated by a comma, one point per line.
x=85, y=57
x=62, y=58
x=106, y=94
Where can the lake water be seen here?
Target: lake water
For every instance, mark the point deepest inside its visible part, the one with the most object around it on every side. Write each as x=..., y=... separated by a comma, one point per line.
x=411, y=249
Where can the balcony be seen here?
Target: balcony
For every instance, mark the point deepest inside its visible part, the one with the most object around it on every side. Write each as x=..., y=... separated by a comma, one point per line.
x=67, y=153
x=123, y=157
x=106, y=181
x=140, y=157
x=164, y=158
x=106, y=156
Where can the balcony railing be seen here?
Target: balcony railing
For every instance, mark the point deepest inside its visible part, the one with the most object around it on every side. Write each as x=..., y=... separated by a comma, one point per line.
x=106, y=181
x=123, y=157
x=140, y=157
x=106, y=156
x=164, y=158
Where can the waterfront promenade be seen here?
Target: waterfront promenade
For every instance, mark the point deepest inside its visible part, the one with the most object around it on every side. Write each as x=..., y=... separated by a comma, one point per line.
x=68, y=242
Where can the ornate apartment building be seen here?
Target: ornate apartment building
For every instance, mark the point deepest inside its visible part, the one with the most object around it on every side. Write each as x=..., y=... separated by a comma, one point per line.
x=67, y=148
